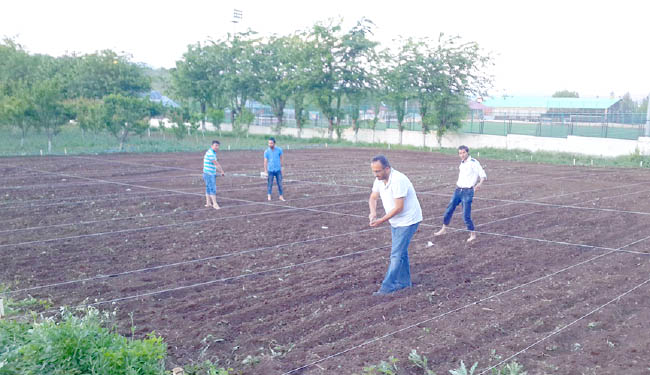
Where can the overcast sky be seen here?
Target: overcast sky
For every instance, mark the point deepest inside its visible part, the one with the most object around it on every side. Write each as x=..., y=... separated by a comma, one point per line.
x=593, y=47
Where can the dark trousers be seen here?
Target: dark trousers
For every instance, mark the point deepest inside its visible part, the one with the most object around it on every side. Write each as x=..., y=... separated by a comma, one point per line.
x=465, y=197
x=269, y=182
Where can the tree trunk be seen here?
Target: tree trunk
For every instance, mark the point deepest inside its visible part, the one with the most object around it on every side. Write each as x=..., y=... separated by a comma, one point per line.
x=330, y=127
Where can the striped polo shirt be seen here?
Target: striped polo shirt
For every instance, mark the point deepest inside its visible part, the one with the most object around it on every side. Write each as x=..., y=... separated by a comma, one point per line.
x=208, y=165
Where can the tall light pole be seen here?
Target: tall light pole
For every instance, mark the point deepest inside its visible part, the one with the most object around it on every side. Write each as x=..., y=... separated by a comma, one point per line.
x=647, y=119
x=237, y=16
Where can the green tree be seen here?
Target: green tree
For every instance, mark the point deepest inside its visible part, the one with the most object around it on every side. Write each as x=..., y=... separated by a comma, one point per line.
x=103, y=73
x=125, y=115
x=277, y=74
x=196, y=77
x=395, y=82
x=342, y=66
x=566, y=94
x=359, y=62
x=50, y=110
x=460, y=72
x=89, y=114
x=240, y=62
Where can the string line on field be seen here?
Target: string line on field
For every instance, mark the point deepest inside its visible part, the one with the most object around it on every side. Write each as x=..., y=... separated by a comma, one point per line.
x=576, y=320
x=91, y=199
x=557, y=331
x=283, y=209
x=165, y=214
x=481, y=300
x=197, y=260
x=423, y=224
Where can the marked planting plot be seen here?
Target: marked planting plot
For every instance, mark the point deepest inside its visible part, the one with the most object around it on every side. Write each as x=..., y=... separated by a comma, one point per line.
x=558, y=279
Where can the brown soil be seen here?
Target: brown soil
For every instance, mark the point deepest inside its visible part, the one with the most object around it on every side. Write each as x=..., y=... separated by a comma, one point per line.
x=289, y=284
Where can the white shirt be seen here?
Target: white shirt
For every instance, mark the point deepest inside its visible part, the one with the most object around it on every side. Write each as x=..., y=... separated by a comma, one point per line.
x=399, y=186
x=470, y=172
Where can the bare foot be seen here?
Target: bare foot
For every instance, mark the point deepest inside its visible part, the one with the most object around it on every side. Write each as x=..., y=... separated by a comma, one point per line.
x=208, y=205
x=268, y=197
x=441, y=232
x=472, y=238
x=216, y=206
x=282, y=198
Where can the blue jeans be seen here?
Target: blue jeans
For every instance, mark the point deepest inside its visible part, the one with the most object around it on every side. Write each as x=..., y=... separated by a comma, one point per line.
x=465, y=197
x=269, y=182
x=398, y=275
x=210, y=183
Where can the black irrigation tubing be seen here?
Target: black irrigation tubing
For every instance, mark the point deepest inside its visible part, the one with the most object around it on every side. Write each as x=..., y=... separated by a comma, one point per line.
x=557, y=331
x=217, y=256
x=185, y=262
x=592, y=247
x=481, y=300
x=64, y=184
x=130, y=230
x=168, y=213
x=98, y=199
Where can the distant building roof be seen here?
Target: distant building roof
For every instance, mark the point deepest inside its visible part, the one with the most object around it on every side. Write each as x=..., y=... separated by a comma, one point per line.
x=155, y=96
x=549, y=102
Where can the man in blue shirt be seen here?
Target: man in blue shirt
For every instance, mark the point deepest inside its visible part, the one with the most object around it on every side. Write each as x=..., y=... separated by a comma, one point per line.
x=210, y=165
x=273, y=168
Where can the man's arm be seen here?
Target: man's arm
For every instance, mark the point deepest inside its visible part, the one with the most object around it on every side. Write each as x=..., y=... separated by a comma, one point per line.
x=372, y=203
x=482, y=177
x=266, y=164
x=399, y=206
x=216, y=164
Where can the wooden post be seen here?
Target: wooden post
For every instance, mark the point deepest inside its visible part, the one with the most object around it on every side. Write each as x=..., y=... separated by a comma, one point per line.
x=2, y=308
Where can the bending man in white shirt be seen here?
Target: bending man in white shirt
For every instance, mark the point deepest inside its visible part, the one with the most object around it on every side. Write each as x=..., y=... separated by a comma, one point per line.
x=470, y=177
x=404, y=214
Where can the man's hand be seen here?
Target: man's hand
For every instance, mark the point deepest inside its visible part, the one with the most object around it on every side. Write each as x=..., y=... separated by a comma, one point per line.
x=372, y=217
x=375, y=222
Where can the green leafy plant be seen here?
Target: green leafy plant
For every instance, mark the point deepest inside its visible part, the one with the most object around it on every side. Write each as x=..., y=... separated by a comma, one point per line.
x=206, y=367
x=420, y=361
x=383, y=368
x=462, y=370
x=82, y=342
x=512, y=368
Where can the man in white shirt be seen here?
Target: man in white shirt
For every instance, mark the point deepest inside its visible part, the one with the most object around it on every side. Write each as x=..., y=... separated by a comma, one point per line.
x=470, y=173
x=404, y=214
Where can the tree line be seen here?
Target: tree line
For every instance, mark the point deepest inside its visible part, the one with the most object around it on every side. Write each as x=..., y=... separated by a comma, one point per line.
x=334, y=69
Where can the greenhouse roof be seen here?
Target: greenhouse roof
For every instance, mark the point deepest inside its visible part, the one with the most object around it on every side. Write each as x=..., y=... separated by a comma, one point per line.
x=549, y=102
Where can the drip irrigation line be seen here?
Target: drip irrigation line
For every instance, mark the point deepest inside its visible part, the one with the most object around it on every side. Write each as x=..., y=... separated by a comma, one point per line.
x=286, y=209
x=97, y=199
x=557, y=331
x=66, y=185
x=228, y=278
x=379, y=338
x=166, y=214
x=29, y=202
x=577, y=320
x=197, y=260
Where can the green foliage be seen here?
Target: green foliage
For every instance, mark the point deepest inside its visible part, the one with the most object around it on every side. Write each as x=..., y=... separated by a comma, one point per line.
x=512, y=368
x=242, y=122
x=462, y=370
x=104, y=73
x=383, y=368
x=77, y=344
x=420, y=361
x=124, y=115
x=206, y=368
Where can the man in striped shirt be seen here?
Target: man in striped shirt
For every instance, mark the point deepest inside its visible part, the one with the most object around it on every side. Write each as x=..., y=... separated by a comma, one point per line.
x=210, y=165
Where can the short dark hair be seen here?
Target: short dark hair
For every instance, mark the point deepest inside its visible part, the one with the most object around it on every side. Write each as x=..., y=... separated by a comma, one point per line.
x=463, y=147
x=381, y=159
x=272, y=139
x=217, y=142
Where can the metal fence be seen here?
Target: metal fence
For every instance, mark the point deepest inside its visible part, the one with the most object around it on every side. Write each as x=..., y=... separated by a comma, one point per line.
x=557, y=125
